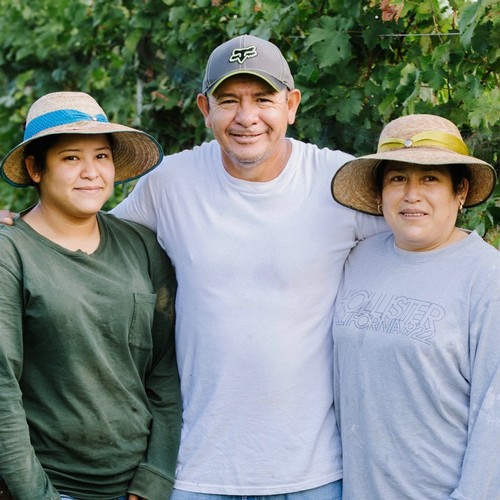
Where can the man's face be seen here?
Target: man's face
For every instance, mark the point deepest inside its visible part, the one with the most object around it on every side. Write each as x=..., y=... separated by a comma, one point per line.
x=249, y=120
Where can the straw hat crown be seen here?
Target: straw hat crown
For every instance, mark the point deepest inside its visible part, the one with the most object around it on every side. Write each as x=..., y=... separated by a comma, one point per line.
x=134, y=151
x=421, y=139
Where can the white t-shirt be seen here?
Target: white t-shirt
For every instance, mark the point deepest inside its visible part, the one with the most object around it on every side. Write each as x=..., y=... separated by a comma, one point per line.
x=258, y=265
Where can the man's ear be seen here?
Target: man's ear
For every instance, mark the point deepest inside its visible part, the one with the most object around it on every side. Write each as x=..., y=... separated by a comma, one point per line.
x=204, y=107
x=294, y=97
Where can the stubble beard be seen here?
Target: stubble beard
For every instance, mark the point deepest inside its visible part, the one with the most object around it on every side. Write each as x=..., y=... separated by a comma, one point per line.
x=245, y=162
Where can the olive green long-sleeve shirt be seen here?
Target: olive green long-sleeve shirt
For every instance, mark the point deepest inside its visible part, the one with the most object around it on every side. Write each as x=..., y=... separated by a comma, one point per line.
x=89, y=392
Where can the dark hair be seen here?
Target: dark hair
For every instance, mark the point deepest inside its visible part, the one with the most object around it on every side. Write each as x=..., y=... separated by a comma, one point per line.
x=38, y=148
x=458, y=173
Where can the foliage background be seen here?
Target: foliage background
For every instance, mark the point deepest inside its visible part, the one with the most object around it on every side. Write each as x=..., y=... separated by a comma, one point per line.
x=359, y=65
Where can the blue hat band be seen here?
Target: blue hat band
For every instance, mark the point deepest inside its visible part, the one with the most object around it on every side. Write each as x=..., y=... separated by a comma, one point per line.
x=57, y=118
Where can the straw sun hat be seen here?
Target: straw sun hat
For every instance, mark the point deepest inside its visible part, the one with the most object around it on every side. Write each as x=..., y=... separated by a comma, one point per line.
x=420, y=139
x=134, y=152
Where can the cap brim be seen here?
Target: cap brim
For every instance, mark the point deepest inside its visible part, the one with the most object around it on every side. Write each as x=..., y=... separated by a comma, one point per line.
x=270, y=80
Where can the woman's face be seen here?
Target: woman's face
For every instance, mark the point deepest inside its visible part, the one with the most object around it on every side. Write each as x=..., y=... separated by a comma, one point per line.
x=420, y=205
x=78, y=177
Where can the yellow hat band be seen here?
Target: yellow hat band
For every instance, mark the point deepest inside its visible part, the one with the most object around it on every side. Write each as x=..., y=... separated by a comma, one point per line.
x=433, y=138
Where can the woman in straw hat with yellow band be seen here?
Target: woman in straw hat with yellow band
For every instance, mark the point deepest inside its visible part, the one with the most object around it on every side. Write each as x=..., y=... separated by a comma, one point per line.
x=416, y=339
x=89, y=392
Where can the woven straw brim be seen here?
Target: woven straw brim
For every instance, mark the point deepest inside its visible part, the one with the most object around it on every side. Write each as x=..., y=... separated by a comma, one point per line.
x=134, y=152
x=354, y=183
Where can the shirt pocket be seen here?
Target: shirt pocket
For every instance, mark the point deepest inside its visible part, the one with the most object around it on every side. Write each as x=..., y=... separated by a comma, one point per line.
x=142, y=321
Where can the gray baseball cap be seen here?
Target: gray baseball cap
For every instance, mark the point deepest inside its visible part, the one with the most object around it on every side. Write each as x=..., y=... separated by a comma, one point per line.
x=247, y=54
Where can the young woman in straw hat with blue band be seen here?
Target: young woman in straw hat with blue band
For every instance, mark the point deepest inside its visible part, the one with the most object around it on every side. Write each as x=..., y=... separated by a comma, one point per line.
x=89, y=391
x=416, y=338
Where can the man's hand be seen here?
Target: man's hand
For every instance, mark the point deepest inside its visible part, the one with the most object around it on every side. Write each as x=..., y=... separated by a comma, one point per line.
x=7, y=217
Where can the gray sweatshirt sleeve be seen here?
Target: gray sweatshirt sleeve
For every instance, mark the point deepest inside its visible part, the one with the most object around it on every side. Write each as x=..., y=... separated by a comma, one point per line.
x=480, y=477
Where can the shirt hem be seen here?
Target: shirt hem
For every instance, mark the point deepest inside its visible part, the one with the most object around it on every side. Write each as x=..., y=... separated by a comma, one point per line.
x=256, y=490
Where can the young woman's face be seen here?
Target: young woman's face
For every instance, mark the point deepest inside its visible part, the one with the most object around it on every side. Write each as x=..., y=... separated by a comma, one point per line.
x=420, y=205
x=78, y=177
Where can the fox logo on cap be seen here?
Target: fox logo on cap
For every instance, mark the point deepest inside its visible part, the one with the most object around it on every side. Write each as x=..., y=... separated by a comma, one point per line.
x=241, y=55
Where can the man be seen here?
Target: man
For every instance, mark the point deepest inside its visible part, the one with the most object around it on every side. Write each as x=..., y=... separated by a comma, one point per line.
x=258, y=247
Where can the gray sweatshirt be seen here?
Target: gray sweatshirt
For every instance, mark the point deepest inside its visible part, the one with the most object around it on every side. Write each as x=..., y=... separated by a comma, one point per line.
x=417, y=371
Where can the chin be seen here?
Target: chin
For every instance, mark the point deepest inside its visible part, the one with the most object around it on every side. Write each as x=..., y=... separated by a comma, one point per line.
x=87, y=211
